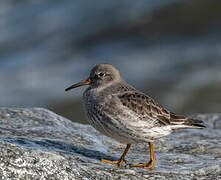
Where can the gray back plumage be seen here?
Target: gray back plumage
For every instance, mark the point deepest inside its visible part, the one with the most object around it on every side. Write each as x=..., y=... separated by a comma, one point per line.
x=120, y=111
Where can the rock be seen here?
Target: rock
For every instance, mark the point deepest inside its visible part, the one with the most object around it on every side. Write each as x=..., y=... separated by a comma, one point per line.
x=38, y=144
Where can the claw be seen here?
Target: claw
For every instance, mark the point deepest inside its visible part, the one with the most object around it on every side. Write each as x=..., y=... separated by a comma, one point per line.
x=118, y=162
x=148, y=165
x=121, y=160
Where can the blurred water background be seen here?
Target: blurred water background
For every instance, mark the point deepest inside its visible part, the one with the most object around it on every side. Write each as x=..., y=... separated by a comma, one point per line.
x=170, y=50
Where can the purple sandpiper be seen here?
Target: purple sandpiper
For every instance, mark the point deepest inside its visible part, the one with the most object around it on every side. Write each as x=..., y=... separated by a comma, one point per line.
x=118, y=110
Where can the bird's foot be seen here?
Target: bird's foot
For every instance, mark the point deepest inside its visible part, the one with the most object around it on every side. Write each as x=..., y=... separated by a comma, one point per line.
x=148, y=165
x=118, y=162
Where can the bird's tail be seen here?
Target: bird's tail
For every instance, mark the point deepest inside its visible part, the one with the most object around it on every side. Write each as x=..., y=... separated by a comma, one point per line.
x=188, y=122
x=194, y=123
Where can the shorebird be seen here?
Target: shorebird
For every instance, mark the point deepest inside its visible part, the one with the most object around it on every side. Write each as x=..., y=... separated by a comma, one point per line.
x=119, y=111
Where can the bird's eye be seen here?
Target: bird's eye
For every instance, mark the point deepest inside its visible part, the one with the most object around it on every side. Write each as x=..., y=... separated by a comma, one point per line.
x=101, y=74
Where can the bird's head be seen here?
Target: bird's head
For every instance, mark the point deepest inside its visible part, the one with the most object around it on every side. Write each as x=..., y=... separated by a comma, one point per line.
x=100, y=75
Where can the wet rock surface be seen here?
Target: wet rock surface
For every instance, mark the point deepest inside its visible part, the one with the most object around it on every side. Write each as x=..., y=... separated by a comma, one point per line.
x=36, y=143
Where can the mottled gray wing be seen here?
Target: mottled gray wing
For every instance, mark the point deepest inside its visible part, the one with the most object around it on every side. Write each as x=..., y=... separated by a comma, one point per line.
x=134, y=109
x=143, y=108
x=150, y=111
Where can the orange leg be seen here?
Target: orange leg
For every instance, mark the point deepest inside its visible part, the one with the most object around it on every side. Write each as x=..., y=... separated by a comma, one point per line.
x=150, y=164
x=121, y=160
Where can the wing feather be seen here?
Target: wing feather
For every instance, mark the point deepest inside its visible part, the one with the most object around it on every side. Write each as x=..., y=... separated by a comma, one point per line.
x=145, y=108
x=141, y=110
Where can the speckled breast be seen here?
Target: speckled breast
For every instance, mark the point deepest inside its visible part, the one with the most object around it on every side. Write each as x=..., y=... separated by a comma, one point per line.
x=106, y=124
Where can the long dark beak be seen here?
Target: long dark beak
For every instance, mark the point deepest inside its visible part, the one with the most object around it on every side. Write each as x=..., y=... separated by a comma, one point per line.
x=81, y=83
